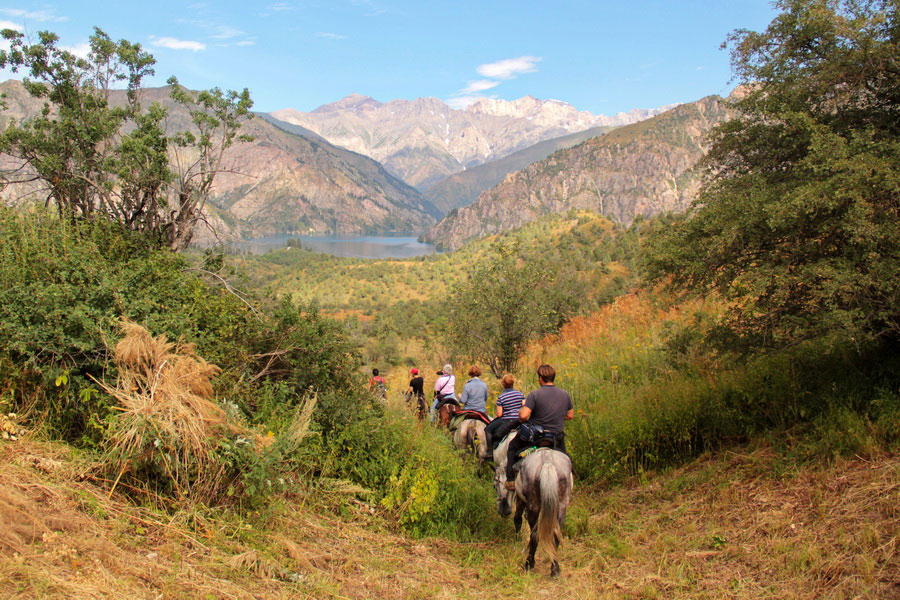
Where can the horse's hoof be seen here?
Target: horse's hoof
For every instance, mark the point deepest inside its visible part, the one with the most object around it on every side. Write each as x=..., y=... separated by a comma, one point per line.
x=554, y=571
x=528, y=566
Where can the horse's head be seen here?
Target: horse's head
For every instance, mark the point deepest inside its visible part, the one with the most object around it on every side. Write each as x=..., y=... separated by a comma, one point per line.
x=505, y=498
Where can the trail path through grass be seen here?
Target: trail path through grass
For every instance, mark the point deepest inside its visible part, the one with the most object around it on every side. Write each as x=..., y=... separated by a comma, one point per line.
x=747, y=524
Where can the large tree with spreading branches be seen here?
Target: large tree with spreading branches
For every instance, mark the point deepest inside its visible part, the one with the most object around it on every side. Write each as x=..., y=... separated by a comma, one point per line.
x=798, y=224
x=97, y=152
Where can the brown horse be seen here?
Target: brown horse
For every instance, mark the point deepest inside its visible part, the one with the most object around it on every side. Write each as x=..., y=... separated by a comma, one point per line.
x=445, y=414
x=543, y=492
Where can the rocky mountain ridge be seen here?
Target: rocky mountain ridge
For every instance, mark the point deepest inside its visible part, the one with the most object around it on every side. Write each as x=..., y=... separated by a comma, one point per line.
x=638, y=170
x=424, y=140
x=463, y=188
x=286, y=179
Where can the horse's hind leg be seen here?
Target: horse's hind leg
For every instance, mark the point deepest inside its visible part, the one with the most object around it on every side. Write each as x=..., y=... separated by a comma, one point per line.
x=554, y=566
x=532, y=540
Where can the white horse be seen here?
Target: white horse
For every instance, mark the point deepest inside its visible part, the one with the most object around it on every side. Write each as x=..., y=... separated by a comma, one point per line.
x=543, y=491
x=470, y=435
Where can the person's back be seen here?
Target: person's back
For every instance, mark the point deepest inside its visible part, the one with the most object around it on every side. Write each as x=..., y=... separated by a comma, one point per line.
x=475, y=393
x=509, y=402
x=377, y=384
x=549, y=406
x=445, y=385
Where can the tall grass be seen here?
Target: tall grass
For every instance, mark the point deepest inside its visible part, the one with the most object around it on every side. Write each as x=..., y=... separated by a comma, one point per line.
x=415, y=476
x=649, y=393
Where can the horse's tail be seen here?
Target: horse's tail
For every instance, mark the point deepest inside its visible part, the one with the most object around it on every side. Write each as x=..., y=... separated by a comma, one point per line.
x=481, y=449
x=548, y=519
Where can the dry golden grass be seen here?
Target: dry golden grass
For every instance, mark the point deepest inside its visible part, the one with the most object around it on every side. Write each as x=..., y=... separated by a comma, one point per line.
x=734, y=525
x=165, y=411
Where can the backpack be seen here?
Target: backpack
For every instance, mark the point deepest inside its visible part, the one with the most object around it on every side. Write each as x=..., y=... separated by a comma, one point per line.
x=379, y=385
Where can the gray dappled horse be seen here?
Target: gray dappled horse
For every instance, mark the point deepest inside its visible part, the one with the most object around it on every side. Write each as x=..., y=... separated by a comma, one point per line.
x=543, y=491
x=470, y=434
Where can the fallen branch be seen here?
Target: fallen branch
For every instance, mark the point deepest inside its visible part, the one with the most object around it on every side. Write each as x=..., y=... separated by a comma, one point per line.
x=227, y=286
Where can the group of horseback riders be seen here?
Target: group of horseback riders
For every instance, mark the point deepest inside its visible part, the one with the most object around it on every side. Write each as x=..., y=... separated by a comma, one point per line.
x=526, y=441
x=539, y=418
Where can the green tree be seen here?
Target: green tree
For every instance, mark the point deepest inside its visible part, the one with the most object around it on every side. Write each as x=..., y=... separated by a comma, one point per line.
x=98, y=152
x=507, y=302
x=797, y=225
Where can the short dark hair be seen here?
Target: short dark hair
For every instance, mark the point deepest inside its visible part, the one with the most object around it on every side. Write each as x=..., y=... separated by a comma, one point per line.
x=547, y=373
x=375, y=372
x=474, y=371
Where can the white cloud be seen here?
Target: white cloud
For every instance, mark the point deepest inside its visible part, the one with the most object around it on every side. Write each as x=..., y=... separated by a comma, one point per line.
x=175, y=44
x=479, y=85
x=39, y=15
x=226, y=32
x=11, y=25
x=80, y=50
x=282, y=7
x=245, y=43
x=462, y=102
x=330, y=36
x=700, y=68
x=509, y=68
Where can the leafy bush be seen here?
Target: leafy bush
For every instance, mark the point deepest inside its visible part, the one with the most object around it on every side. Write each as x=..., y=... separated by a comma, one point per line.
x=64, y=285
x=416, y=476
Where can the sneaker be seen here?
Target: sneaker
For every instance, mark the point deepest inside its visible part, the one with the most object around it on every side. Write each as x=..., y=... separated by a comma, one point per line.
x=510, y=485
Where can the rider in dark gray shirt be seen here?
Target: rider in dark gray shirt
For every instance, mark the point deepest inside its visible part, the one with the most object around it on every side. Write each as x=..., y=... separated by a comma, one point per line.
x=549, y=407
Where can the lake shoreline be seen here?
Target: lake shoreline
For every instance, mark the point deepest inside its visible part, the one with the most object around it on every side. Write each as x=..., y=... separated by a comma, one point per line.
x=382, y=246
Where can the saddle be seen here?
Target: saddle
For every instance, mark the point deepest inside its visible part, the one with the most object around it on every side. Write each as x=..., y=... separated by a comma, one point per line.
x=473, y=414
x=461, y=415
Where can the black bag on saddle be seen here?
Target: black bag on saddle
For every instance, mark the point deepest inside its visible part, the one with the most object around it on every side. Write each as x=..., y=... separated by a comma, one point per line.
x=532, y=433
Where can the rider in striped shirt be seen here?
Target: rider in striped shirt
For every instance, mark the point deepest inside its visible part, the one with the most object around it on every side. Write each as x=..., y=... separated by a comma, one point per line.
x=508, y=404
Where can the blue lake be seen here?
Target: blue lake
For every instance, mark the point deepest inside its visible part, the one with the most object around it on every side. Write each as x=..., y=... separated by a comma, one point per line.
x=363, y=246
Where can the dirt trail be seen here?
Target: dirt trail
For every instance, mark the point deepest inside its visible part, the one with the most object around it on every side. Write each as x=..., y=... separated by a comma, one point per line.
x=734, y=525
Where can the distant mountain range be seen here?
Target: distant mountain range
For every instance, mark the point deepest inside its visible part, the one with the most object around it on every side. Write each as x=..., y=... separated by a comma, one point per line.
x=508, y=164
x=641, y=169
x=286, y=179
x=463, y=188
x=423, y=141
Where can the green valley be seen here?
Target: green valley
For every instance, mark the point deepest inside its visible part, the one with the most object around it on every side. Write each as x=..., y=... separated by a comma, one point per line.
x=716, y=286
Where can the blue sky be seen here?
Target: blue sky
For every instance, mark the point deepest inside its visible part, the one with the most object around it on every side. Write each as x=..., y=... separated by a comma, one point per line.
x=600, y=56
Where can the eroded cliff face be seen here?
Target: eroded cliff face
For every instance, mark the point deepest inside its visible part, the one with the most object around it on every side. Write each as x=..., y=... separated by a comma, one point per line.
x=642, y=169
x=281, y=181
x=424, y=140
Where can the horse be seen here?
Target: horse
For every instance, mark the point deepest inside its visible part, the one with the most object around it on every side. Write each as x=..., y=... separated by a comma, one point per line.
x=446, y=412
x=543, y=492
x=416, y=403
x=470, y=435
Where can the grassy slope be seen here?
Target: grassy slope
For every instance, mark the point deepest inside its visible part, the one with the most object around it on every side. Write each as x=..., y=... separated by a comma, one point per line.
x=739, y=524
